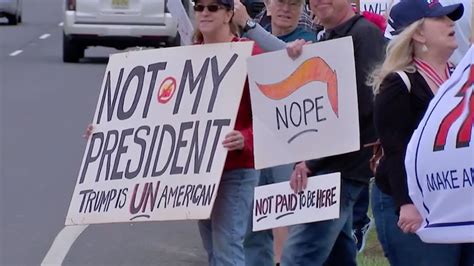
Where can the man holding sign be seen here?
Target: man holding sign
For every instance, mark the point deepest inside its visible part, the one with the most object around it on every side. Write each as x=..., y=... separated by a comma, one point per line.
x=331, y=242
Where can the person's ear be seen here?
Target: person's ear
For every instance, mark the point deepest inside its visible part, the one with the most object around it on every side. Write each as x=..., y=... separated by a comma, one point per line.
x=228, y=17
x=419, y=36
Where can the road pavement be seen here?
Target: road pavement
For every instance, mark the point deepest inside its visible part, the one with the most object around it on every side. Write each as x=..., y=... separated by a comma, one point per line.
x=45, y=106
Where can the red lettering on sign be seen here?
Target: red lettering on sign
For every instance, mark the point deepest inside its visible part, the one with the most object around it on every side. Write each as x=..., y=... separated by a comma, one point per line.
x=464, y=135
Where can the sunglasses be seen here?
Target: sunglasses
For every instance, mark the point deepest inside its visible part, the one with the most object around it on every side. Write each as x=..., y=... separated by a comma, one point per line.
x=210, y=8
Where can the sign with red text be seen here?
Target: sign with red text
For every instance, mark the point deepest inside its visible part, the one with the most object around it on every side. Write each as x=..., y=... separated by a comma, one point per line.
x=277, y=205
x=156, y=151
x=304, y=108
x=440, y=161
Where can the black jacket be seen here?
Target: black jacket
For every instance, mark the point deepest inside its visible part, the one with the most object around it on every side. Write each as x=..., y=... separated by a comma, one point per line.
x=369, y=45
x=397, y=114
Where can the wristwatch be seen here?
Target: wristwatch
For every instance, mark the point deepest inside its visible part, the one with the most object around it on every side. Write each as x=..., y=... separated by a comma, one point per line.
x=250, y=24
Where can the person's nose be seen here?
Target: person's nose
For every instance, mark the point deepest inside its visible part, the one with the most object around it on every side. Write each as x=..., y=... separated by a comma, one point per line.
x=286, y=7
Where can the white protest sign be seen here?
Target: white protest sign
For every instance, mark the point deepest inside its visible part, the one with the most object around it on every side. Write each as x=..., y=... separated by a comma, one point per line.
x=156, y=151
x=379, y=7
x=277, y=205
x=440, y=161
x=180, y=15
x=304, y=108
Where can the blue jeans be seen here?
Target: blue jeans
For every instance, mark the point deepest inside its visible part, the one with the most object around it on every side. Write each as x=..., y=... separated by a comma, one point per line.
x=327, y=242
x=259, y=245
x=223, y=234
x=407, y=249
x=361, y=207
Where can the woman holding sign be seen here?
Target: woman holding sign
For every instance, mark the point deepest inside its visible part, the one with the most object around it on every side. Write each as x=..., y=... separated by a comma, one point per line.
x=416, y=65
x=223, y=234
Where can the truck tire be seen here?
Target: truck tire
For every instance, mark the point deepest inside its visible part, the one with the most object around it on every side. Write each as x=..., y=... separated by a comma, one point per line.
x=72, y=52
x=12, y=19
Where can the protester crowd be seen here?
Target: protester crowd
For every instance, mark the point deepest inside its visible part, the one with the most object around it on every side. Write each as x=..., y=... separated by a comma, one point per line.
x=396, y=79
x=394, y=87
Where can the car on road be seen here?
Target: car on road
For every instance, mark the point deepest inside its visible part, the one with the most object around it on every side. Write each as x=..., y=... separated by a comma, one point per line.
x=11, y=9
x=117, y=23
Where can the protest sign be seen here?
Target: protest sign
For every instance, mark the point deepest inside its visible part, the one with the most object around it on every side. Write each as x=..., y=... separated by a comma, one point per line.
x=180, y=15
x=156, y=151
x=379, y=7
x=277, y=205
x=304, y=108
x=440, y=161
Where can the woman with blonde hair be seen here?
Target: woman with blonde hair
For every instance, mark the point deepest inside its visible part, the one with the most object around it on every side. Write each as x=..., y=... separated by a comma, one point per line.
x=416, y=65
x=223, y=234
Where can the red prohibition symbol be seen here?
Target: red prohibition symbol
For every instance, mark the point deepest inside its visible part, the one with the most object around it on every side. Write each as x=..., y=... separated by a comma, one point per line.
x=167, y=89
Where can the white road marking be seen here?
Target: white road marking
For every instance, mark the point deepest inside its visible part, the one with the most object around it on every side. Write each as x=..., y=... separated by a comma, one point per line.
x=61, y=24
x=62, y=243
x=17, y=52
x=44, y=36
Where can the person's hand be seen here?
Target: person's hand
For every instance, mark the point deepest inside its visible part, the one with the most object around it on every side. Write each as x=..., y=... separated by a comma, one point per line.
x=89, y=130
x=295, y=48
x=234, y=141
x=240, y=14
x=299, y=177
x=410, y=219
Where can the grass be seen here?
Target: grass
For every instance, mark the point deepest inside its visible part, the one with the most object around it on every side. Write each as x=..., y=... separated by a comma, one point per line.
x=372, y=255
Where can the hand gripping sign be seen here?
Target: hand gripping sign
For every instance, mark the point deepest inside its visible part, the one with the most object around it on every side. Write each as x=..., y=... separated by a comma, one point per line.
x=440, y=161
x=277, y=205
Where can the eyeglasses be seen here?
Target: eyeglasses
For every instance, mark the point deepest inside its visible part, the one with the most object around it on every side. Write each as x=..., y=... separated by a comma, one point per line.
x=211, y=8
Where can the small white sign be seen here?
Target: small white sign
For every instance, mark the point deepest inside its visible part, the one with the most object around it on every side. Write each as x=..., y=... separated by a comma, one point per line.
x=277, y=205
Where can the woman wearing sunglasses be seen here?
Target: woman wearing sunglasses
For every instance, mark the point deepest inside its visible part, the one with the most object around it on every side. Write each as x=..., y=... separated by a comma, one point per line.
x=223, y=234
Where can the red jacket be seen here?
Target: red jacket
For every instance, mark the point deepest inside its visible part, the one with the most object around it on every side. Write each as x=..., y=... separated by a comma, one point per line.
x=243, y=158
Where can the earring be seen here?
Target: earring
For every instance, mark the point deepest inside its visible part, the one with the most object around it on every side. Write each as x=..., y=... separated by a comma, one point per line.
x=424, y=48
